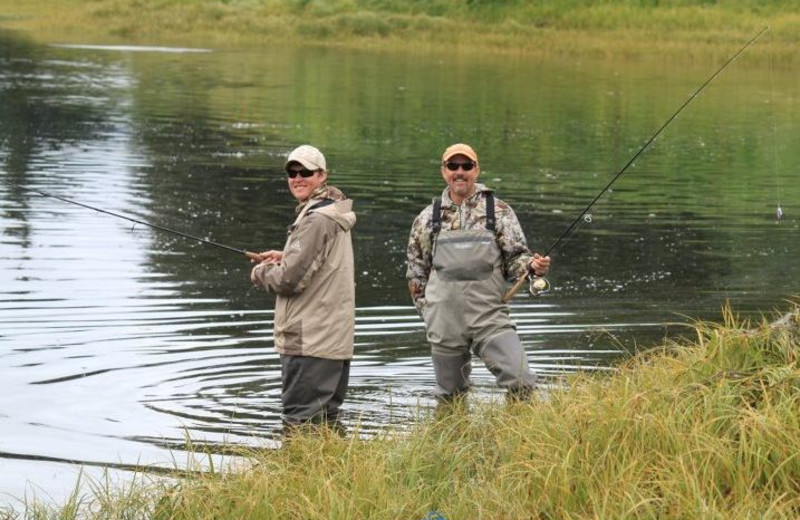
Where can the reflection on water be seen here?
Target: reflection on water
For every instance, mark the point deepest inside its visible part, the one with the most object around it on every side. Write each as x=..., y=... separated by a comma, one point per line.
x=119, y=342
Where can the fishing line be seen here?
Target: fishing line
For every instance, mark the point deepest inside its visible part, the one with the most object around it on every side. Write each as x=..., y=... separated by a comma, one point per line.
x=252, y=256
x=539, y=284
x=776, y=159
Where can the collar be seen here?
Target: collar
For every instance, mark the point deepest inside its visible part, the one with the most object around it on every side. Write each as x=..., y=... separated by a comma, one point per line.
x=322, y=192
x=471, y=201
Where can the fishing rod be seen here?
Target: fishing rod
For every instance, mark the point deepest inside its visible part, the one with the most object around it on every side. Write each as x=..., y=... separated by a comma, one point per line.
x=540, y=284
x=248, y=254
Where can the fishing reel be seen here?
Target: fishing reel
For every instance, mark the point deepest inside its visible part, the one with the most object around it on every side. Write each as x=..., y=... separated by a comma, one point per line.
x=539, y=285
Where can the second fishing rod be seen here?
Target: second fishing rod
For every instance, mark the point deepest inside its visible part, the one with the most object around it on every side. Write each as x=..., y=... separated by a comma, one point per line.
x=539, y=285
x=249, y=254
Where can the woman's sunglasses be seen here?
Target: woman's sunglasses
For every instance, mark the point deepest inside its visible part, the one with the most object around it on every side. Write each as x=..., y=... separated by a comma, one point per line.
x=304, y=173
x=454, y=166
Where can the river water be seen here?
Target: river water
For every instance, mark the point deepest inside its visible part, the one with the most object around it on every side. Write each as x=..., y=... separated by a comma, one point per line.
x=120, y=344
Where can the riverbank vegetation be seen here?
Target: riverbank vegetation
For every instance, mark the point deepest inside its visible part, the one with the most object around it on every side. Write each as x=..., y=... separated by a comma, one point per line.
x=707, y=429
x=677, y=28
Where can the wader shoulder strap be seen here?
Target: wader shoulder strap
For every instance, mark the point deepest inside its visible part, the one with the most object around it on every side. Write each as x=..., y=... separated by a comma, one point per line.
x=436, y=221
x=321, y=204
x=490, y=220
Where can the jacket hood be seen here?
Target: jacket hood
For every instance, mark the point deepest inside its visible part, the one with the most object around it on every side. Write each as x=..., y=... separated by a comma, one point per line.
x=340, y=212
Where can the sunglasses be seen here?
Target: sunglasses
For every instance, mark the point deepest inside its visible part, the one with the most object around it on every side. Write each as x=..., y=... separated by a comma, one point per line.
x=304, y=173
x=454, y=166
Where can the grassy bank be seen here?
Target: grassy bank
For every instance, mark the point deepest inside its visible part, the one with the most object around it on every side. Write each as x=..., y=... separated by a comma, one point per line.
x=702, y=430
x=589, y=27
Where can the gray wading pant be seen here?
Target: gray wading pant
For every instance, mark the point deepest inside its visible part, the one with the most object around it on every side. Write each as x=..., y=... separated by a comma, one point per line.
x=465, y=314
x=313, y=389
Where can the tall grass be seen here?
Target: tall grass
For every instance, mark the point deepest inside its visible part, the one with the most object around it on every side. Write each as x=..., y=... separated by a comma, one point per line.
x=597, y=27
x=708, y=429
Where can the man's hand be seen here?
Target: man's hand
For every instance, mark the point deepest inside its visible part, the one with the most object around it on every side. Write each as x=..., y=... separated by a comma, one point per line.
x=539, y=264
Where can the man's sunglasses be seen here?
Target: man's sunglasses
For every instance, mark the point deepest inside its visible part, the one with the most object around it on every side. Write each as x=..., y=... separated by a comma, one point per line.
x=454, y=166
x=304, y=173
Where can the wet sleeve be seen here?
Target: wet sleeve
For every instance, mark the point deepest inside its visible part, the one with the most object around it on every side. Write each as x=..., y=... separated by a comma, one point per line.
x=303, y=256
x=418, y=260
x=513, y=245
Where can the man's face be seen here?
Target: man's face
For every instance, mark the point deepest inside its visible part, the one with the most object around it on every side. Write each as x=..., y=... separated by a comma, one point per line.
x=300, y=186
x=460, y=173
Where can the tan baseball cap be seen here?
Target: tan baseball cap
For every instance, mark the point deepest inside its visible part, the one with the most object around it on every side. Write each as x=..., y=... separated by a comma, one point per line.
x=460, y=148
x=308, y=156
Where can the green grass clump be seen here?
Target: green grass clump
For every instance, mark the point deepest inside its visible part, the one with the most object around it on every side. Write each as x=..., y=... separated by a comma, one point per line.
x=707, y=429
x=104, y=498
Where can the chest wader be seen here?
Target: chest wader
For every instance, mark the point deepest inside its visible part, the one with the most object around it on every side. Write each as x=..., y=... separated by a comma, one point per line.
x=465, y=313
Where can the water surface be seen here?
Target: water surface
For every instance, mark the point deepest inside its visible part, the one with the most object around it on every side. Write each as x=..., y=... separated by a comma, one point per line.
x=119, y=342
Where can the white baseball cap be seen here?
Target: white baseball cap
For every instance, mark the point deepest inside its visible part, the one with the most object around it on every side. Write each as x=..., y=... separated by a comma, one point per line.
x=308, y=156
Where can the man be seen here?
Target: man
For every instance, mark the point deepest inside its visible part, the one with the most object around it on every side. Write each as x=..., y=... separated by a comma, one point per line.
x=462, y=250
x=315, y=306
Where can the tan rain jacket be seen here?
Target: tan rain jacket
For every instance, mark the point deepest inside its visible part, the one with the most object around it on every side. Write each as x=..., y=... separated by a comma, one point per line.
x=314, y=283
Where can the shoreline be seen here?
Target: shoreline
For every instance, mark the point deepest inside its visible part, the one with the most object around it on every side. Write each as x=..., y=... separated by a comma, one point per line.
x=678, y=34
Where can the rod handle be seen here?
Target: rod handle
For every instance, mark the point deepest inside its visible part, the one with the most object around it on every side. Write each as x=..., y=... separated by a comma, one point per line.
x=516, y=287
x=254, y=257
